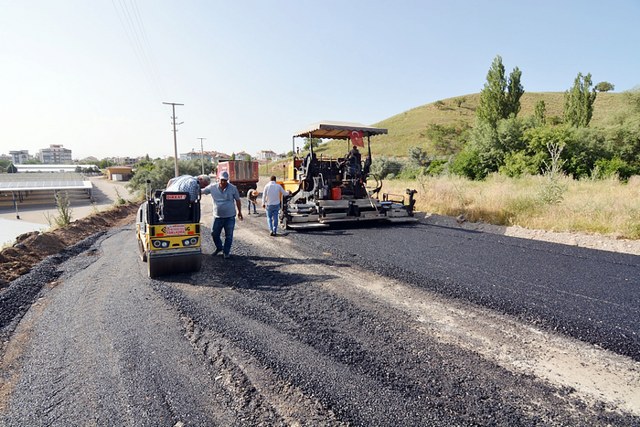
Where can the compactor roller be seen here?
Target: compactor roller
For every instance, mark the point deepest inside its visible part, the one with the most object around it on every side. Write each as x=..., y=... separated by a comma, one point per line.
x=168, y=232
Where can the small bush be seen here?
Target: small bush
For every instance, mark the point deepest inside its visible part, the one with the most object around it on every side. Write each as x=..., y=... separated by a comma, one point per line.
x=386, y=167
x=609, y=168
x=63, y=206
x=468, y=164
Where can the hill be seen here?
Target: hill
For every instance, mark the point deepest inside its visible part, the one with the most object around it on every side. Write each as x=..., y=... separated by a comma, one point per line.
x=412, y=128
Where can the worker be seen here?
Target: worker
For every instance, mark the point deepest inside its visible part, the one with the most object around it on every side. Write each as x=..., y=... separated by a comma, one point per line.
x=189, y=184
x=271, y=200
x=224, y=195
x=252, y=201
x=354, y=160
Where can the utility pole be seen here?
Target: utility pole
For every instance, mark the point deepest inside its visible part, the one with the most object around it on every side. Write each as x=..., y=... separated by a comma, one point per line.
x=202, y=155
x=175, y=140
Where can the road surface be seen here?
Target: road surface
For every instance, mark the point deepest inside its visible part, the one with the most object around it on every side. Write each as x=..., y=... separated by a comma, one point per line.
x=407, y=326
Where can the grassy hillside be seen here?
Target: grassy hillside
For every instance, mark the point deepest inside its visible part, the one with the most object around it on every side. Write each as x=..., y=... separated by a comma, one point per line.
x=410, y=128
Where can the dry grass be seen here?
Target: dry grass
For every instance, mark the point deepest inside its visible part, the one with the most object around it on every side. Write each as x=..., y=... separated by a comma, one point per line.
x=606, y=207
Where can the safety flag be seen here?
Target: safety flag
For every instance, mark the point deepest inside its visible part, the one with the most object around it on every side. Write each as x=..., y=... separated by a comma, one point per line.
x=356, y=138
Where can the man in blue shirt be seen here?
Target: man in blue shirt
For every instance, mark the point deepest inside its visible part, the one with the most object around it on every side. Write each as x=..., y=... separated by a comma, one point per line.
x=226, y=199
x=189, y=184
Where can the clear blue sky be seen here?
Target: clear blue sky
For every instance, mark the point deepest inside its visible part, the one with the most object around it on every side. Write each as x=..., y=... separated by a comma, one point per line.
x=92, y=74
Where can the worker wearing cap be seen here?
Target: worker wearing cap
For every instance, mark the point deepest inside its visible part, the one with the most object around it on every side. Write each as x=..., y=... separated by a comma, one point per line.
x=226, y=199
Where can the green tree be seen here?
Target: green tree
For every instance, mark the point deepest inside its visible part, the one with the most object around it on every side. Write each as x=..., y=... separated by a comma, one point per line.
x=513, y=95
x=4, y=165
x=419, y=157
x=447, y=139
x=578, y=102
x=105, y=163
x=160, y=172
x=540, y=113
x=500, y=98
x=604, y=87
x=309, y=141
x=469, y=164
x=520, y=163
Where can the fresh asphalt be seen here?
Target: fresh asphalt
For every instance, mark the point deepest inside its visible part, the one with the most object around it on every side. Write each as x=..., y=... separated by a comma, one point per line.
x=261, y=339
x=587, y=294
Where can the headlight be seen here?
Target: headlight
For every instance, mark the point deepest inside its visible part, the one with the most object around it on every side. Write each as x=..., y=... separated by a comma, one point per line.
x=190, y=242
x=157, y=243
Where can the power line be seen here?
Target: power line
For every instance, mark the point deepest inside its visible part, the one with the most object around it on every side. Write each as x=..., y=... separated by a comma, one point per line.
x=131, y=21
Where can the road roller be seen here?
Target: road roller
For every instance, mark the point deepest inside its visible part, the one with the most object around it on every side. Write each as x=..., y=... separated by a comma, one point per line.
x=168, y=233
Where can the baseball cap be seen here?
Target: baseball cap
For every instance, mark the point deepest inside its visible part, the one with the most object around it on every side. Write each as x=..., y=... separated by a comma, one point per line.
x=224, y=175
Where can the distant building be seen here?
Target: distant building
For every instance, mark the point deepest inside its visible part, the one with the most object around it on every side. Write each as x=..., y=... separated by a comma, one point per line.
x=54, y=155
x=243, y=155
x=217, y=156
x=125, y=161
x=56, y=168
x=267, y=155
x=20, y=156
x=119, y=173
x=211, y=156
x=130, y=161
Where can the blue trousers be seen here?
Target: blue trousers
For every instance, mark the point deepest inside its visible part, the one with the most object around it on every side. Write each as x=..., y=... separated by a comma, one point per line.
x=226, y=224
x=272, y=217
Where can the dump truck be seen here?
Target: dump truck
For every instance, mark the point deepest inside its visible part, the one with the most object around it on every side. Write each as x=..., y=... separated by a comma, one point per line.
x=168, y=233
x=325, y=190
x=242, y=173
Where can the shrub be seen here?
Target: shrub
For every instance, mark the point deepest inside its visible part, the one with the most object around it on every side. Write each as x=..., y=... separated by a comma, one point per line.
x=469, y=164
x=386, y=167
x=608, y=168
x=520, y=163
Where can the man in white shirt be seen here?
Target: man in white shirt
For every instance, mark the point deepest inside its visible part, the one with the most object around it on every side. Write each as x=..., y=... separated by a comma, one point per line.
x=271, y=200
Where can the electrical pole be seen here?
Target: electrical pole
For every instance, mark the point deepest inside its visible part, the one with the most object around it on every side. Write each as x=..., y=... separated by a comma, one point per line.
x=175, y=140
x=202, y=155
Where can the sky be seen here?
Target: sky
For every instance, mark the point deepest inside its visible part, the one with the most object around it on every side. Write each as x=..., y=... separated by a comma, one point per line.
x=93, y=75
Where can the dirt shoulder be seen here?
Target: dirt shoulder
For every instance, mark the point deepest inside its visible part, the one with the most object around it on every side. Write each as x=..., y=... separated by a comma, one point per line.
x=31, y=248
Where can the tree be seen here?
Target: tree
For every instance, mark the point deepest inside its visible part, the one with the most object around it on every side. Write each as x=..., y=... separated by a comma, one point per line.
x=604, y=87
x=308, y=141
x=5, y=165
x=514, y=92
x=419, y=157
x=578, y=102
x=540, y=112
x=500, y=98
x=448, y=139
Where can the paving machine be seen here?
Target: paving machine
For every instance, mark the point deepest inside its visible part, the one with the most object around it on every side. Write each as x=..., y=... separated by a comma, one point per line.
x=168, y=233
x=324, y=190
